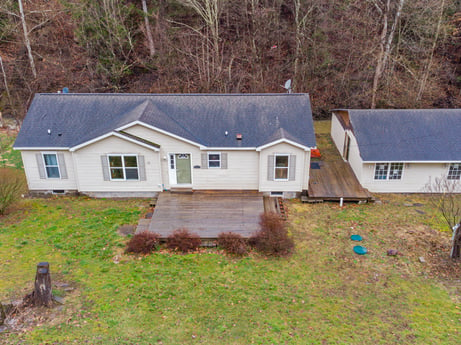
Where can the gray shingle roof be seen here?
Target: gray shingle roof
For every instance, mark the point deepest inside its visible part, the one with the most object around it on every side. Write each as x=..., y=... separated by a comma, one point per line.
x=202, y=118
x=408, y=135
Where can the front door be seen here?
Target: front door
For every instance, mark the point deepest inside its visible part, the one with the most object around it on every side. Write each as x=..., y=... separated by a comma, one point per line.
x=180, y=171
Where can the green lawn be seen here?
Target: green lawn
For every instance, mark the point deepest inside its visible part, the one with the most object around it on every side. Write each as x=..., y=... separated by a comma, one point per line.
x=323, y=294
x=8, y=156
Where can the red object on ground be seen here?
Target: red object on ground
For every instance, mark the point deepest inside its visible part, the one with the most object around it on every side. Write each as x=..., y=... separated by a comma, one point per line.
x=315, y=153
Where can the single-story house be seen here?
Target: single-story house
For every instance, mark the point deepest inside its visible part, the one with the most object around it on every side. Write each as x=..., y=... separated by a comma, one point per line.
x=399, y=150
x=141, y=144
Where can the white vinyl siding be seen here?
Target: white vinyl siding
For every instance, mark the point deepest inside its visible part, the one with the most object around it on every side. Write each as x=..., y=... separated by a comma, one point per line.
x=34, y=168
x=93, y=167
x=239, y=169
x=338, y=133
x=415, y=176
x=295, y=176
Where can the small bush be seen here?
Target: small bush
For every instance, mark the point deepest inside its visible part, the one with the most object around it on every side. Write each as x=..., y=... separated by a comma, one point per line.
x=232, y=243
x=183, y=240
x=273, y=238
x=11, y=186
x=143, y=243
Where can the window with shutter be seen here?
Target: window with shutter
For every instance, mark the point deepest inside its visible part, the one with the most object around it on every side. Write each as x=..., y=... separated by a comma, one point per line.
x=214, y=160
x=51, y=165
x=123, y=167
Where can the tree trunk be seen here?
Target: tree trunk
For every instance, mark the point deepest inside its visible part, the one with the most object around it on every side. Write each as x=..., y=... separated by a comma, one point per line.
x=427, y=70
x=5, y=81
x=26, y=40
x=385, y=47
x=42, y=295
x=456, y=243
x=150, y=40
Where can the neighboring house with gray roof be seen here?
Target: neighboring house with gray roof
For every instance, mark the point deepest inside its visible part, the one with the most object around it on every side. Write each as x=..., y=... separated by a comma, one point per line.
x=399, y=150
x=141, y=144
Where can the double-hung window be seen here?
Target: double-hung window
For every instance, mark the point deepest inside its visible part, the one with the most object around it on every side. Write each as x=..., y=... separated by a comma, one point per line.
x=388, y=171
x=454, y=171
x=214, y=160
x=281, y=167
x=51, y=165
x=123, y=167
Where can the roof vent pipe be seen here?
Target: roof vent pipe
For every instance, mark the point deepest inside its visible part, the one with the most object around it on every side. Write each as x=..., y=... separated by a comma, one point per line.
x=238, y=137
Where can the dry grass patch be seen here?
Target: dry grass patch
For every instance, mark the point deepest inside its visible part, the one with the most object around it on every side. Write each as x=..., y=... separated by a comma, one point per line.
x=394, y=224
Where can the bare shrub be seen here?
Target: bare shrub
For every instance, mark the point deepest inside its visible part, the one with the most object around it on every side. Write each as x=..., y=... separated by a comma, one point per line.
x=232, y=243
x=273, y=237
x=183, y=240
x=445, y=197
x=11, y=186
x=144, y=242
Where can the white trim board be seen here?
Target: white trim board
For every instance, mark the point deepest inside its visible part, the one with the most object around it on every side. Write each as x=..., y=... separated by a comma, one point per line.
x=279, y=141
x=134, y=123
x=115, y=134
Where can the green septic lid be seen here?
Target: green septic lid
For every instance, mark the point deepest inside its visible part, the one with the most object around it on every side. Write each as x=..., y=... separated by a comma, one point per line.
x=356, y=238
x=360, y=250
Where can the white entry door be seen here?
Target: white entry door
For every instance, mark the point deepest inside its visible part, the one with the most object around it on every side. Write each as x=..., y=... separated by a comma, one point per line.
x=179, y=168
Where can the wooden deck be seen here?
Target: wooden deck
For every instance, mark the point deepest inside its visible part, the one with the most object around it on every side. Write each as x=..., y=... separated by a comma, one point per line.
x=207, y=213
x=334, y=180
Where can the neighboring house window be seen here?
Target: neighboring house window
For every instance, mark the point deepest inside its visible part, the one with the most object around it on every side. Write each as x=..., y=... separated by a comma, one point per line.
x=388, y=171
x=51, y=165
x=281, y=167
x=214, y=160
x=454, y=172
x=123, y=167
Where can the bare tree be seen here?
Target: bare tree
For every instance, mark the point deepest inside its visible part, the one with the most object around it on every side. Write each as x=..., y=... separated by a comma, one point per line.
x=27, y=40
x=209, y=11
x=150, y=39
x=300, y=22
x=207, y=52
x=385, y=44
x=5, y=81
x=422, y=84
x=446, y=199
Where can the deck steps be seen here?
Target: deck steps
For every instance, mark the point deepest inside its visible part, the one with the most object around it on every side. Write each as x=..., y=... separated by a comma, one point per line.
x=143, y=225
x=181, y=190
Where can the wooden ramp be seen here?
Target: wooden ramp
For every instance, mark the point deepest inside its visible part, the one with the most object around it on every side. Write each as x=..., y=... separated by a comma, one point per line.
x=332, y=180
x=208, y=213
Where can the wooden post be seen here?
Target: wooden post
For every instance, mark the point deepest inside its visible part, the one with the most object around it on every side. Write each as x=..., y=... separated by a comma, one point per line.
x=42, y=294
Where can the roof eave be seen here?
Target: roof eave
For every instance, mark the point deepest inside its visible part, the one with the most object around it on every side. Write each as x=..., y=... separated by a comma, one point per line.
x=26, y=148
x=407, y=161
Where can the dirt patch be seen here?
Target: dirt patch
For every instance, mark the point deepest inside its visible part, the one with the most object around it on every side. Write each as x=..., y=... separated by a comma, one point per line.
x=126, y=230
x=21, y=317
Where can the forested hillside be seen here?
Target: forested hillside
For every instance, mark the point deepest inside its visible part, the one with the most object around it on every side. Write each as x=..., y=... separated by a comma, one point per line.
x=345, y=53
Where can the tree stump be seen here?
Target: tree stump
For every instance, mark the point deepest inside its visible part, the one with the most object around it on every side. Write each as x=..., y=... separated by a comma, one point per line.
x=456, y=242
x=42, y=294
